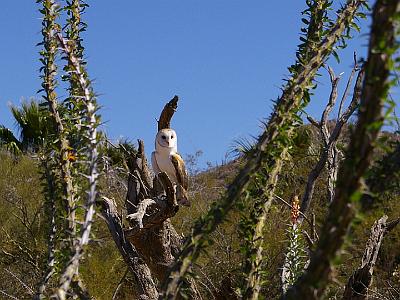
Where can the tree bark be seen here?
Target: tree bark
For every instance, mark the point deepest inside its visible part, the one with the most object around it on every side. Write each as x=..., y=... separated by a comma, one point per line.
x=151, y=230
x=146, y=286
x=359, y=283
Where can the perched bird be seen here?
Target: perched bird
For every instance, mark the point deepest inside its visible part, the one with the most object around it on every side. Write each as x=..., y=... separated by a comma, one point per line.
x=166, y=159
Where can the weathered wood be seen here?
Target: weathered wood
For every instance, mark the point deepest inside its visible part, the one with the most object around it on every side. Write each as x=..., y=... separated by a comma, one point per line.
x=329, y=154
x=140, y=270
x=152, y=238
x=153, y=212
x=150, y=244
x=140, y=183
x=359, y=283
x=166, y=115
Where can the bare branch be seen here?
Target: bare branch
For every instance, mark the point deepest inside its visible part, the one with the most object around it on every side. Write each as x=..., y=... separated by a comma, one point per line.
x=143, y=166
x=115, y=294
x=313, y=121
x=332, y=98
x=329, y=154
x=349, y=82
x=355, y=101
x=137, y=266
x=140, y=212
x=8, y=295
x=140, y=189
x=30, y=291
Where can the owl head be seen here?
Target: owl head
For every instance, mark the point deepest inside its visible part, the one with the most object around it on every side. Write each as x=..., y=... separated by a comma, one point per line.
x=166, y=139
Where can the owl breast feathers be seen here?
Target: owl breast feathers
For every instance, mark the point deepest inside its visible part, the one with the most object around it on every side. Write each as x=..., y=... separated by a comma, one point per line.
x=166, y=159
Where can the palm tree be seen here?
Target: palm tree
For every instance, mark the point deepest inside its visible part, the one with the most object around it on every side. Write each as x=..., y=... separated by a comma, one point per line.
x=34, y=125
x=9, y=141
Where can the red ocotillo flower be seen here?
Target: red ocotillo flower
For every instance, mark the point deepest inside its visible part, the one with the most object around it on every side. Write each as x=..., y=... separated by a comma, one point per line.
x=294, y=214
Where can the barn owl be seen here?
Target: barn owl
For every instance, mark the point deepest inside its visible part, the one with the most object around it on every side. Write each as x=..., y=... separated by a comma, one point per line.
x=166, y=159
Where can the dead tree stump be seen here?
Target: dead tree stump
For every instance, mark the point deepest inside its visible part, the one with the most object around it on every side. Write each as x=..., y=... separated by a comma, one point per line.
x=359, y=283
x=150, y=243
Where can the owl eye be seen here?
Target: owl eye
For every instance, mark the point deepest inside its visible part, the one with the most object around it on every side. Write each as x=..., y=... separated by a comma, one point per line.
x=172, y=136
x=163, y=137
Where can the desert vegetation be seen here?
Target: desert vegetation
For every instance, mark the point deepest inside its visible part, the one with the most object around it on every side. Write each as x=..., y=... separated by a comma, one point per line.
x=308, y=210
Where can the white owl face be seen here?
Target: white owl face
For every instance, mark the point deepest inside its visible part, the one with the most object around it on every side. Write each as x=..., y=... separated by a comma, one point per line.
x=166, y=138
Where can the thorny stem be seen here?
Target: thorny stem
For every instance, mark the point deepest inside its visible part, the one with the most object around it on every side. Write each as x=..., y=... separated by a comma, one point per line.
x=285, y=110
x=91, y=127
x=49, y=84
x=49, y=29
x=51, y=184
x=274, y=161
x=76, y=107
x=349, y=186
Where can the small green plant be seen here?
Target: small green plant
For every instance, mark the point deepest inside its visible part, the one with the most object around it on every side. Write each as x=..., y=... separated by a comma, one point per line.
x=34, y=125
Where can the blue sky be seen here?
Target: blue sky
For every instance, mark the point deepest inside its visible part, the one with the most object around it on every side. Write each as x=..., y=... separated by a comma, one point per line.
x=225, y=59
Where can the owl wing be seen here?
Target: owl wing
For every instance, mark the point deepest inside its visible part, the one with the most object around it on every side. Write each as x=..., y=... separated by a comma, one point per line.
x=154, y=164
x=182, y=178
x=180, y=170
